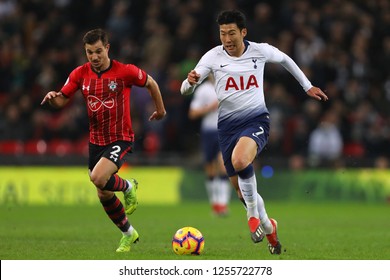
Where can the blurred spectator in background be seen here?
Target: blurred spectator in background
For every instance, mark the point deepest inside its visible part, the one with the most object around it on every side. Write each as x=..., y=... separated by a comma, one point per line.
x=204, y=106
x=343, y=47
x=326, y=143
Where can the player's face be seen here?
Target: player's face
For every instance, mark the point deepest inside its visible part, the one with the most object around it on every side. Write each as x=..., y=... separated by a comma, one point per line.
x=232, y=38
x=97, y=54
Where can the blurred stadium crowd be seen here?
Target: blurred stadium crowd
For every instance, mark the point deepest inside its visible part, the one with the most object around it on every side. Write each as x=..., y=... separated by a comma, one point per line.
x=343, y=46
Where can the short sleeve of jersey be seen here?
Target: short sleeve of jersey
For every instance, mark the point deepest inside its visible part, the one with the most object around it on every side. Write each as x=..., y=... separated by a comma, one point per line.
x=204, y=67
x=271, y=53
x=135, y=75
x=72, y=83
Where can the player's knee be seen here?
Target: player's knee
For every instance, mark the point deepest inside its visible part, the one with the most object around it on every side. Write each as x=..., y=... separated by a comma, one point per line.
x=239, y=163
x=97, y=180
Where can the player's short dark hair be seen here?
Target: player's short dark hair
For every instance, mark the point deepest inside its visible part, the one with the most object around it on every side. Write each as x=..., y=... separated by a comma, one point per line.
x=92, y=36
x=232, y=16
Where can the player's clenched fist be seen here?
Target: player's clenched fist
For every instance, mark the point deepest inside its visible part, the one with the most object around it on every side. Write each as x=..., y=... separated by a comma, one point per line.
x=193, y=77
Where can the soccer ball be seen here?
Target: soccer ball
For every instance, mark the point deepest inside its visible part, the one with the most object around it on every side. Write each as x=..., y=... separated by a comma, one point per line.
x=188, y=241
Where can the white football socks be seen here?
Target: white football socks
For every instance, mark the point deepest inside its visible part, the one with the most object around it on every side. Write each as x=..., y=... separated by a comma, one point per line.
x=248, y=189
x=254, y=202
x=265, y=222
x=225, y=190
x=210, y=190
x=218, y=191
x=129, y=231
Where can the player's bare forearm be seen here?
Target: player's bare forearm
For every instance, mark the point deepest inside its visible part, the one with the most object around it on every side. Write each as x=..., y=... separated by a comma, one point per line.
x=55, y=99
x=317, y=93
x=155, y=93
x=160, y=112
x=160, y=109
x=201, y=112
x=194, y=114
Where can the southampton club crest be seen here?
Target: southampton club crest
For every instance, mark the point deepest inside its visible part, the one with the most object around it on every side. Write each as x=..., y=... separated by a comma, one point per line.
x=112, y=86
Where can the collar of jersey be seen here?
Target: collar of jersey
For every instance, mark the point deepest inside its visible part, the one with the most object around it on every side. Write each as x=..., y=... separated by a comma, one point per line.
x=104, y=71
x=246, y=43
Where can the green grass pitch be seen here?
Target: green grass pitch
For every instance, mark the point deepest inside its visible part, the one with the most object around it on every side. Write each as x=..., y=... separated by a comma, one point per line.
x=307, y=231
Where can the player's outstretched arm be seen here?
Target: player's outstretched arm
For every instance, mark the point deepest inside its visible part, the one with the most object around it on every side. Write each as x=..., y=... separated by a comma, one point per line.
x=188, y=85
x=317, y=93
x=193, y=77
x=155, y=93
x=55, y=99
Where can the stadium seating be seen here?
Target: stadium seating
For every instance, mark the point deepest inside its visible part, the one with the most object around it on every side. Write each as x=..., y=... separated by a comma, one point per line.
x=11, y=147
x=60, y=147
x=35, y=147
x=81, y=147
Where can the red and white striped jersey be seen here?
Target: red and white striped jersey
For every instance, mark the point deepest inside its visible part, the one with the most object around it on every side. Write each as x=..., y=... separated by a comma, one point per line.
x=107, y=96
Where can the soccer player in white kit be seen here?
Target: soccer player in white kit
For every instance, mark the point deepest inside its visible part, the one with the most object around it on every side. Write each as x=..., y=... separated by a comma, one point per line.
x=243, y=118
x=204, y=105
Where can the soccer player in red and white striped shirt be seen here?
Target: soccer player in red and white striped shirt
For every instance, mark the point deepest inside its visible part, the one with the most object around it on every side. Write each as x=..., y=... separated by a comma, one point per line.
x=106, y=86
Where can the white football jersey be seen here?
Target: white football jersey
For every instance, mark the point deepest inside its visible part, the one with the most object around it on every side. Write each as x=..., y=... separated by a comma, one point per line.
x=239, y=80
x=204, y=96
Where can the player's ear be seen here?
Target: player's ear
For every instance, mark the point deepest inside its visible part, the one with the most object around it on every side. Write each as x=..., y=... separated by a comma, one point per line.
x=107, y=47
x=244, y=31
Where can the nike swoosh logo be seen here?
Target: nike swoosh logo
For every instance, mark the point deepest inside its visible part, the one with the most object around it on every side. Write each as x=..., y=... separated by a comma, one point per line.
x=223, y=65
